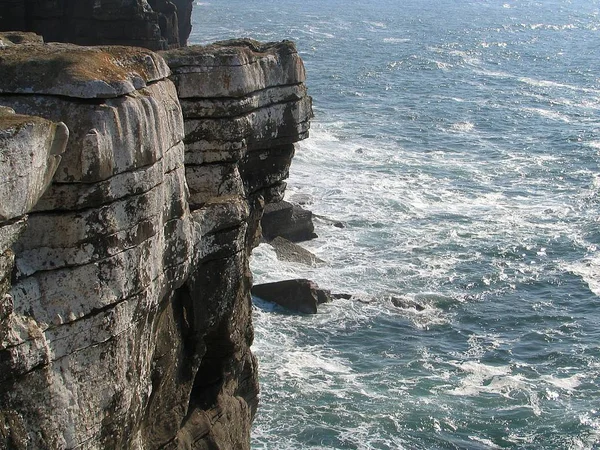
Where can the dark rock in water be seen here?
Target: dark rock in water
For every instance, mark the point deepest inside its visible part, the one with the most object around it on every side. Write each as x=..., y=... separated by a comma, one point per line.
x=288, y=251
x=301, y=199
x=365, y=300
x=405, y=303
x=330, y=221
x=297, y=295
x=291, y=222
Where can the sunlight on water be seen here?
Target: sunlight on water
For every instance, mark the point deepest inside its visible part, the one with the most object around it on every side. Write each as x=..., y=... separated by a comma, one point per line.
x=458, y=143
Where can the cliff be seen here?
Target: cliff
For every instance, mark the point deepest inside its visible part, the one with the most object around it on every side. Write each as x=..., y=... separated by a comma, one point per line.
x=153, y=24
x=125, y=313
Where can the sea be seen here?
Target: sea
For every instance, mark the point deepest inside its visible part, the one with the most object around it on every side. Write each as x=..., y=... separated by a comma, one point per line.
x=458, y=142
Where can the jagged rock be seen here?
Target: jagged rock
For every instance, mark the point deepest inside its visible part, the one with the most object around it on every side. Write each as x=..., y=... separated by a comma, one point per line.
x=291, y=222
x=406, y=303
x=297, y=295
x=153, y=24
x=288, y=251
x=184, y=16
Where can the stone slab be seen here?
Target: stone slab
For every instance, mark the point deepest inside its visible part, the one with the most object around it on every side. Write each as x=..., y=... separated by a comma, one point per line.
x=79, y=72
x=110, y=137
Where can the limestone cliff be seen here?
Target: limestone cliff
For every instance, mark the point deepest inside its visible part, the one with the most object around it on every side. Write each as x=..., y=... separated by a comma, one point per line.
x=125, y=314
x=153, y=24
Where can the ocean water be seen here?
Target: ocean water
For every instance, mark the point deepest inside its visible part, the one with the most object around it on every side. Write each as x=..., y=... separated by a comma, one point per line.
x=459, y=143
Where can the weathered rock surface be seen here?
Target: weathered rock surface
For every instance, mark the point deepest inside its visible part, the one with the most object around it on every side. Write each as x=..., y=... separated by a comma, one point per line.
x=18, y=37
x=78, y=72
x=288, y=251
x=292, y=222
x=125, y=309
x=244, y=105
x=30, y=151
x=297, y=295
x=239, y=141
x=153, y=24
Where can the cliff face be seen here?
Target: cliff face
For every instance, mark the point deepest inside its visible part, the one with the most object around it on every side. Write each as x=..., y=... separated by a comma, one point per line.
x=125, y=314
x=153, y=24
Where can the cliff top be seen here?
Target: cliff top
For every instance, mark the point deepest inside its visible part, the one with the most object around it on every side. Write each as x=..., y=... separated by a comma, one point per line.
x=80, y=72
x=233, y=52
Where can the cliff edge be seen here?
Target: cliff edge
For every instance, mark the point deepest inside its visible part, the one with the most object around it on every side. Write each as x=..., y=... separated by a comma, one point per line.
x=125, y=311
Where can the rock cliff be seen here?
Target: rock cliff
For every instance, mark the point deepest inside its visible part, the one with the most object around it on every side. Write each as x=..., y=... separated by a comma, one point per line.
x=153, y=24
x=125, y=313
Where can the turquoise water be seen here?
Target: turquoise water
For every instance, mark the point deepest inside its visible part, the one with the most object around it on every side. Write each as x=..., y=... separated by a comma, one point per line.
x=459, y=141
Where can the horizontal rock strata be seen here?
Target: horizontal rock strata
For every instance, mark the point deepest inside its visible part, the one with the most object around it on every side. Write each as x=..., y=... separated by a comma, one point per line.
x=125, y=313
x=244, y=105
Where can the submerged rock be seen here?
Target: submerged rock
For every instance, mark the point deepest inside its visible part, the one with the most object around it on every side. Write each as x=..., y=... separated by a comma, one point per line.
x=406, y=303
x=299, y=295
x=288, y=251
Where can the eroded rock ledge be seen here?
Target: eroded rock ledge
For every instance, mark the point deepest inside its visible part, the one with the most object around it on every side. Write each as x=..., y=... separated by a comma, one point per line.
x=125, y=314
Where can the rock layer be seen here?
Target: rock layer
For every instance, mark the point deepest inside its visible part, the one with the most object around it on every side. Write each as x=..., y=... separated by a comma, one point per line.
x=241, y=122
x=128, y=321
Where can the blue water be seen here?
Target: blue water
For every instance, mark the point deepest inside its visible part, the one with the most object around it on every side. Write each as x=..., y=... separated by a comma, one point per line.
x=459, y=142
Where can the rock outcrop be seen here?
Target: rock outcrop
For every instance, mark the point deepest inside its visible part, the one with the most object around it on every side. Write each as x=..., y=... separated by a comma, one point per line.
x=245, y=105
x=298, y=295
x=126, y=320
x=153, y=24
x=288, y=251
x=291, y=222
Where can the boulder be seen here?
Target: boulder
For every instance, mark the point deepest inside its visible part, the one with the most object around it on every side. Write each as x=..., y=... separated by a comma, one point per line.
x=288, y=251
x=299, y=295
x=291, y=222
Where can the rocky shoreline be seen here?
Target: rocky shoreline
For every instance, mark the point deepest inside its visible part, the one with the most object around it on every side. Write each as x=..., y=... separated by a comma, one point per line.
x=133, y=184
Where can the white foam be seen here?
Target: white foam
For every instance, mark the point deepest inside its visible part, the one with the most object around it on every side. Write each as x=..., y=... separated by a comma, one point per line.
x=554, y=84
x=549, y=114
x=589, y=271
x=395, y=40
x=462, y=127
x=484, y=441
x=567, y=383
